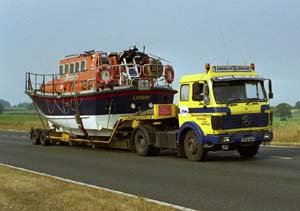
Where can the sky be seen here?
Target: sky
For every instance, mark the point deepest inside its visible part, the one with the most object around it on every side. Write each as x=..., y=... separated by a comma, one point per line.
x=36, y=34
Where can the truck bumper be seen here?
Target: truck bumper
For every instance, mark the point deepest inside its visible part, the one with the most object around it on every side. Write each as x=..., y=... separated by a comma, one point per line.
x=240, y=138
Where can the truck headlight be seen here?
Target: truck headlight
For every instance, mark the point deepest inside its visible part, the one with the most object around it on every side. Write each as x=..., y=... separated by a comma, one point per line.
x=267, y=136
x=226, y=139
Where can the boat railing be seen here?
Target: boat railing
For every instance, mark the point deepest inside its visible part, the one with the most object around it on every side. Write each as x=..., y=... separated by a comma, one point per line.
x=132, y=71
x=36, y=82
x=56, y=84
x=147, y=75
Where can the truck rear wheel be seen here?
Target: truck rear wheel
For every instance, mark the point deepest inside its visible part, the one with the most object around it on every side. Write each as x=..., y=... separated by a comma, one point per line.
x=142, y=141
x=194, y=151
x=248, y=151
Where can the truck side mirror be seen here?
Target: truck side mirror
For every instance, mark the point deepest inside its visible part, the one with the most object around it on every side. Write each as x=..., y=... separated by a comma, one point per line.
x=270, y=95
x=270, y=89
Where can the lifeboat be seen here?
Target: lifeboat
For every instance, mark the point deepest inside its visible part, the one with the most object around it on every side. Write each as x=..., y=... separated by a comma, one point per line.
x=95, y=88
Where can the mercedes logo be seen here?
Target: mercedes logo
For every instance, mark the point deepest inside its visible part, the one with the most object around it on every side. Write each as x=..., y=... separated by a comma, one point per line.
x=246, y=121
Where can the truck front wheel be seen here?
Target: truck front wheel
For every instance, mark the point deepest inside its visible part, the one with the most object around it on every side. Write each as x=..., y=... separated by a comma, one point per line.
x=194, y=151
x=248, y=151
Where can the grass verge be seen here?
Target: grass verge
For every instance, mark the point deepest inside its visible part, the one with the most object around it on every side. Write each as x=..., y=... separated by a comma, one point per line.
x=20, y=122
x=287, y=132
x=27, y=191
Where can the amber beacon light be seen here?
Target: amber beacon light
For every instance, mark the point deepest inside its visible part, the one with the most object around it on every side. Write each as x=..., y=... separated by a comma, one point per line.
x=207, y=66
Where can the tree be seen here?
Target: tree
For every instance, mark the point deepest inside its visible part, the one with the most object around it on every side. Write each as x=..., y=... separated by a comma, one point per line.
x=1, y=108
x=26, y=105
x=5, y=103
x=297, y=105
x=283, y=110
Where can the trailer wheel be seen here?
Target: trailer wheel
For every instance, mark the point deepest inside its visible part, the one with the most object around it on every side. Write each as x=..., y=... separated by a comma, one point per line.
x=142, y=141
x=44, y=137
x=193, y=149
x=35, y=136
x=248, y=151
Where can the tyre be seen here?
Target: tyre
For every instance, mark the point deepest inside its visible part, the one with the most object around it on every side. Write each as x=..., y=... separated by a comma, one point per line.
x=194, y=151
x=248, y=151
x=142, y=141
x=35, y=136
x=44, y=137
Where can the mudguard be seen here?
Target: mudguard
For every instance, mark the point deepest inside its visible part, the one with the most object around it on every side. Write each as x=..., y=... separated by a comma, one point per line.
x=190, y=126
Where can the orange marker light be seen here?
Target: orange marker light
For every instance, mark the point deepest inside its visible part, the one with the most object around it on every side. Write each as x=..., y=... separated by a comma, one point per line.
x=207, y=67
x=252, y=66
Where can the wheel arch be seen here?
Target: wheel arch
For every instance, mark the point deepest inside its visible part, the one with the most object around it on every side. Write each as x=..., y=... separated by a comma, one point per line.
x=187, y=126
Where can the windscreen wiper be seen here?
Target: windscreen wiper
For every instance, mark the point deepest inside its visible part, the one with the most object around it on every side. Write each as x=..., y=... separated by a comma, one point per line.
x=249, y=100
x=233, y=101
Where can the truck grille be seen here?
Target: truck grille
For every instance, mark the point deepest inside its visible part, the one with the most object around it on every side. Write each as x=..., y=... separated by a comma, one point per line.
x=244, y=121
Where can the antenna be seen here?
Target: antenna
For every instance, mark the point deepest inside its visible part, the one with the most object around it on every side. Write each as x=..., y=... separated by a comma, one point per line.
x=144, y=49
x=157, y=57
x=225, y=47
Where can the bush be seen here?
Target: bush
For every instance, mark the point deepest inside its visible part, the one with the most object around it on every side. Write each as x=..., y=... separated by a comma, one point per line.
x=1, y=108
x=5, y=103
x=283, y=110
x=297, y=105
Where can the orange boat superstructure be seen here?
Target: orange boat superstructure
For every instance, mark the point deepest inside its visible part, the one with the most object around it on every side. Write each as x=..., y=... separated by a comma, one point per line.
x=96, y=70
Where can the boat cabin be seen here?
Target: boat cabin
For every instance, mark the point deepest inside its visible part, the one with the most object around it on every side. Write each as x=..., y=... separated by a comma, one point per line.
x=97, y=70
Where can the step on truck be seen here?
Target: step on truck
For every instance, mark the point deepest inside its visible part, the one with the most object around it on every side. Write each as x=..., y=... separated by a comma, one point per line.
x=224, y=108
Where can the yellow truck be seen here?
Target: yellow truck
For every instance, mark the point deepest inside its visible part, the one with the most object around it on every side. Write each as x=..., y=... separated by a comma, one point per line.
x=224, y=108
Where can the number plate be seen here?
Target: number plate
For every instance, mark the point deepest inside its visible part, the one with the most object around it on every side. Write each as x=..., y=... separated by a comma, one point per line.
x=248, y=139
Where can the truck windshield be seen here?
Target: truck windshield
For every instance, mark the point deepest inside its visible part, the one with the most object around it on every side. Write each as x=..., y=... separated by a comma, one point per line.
x=239, y=91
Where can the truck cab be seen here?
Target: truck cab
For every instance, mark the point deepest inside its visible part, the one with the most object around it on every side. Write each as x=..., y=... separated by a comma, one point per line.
x=225, y=108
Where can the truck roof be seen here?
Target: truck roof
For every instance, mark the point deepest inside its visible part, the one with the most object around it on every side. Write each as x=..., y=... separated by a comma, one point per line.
x=221, y=70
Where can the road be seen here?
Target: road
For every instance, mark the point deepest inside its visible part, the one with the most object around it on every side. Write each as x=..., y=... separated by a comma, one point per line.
x=271, y=181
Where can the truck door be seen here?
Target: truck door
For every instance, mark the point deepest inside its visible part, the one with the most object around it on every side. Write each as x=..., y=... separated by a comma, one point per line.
x=200, y=106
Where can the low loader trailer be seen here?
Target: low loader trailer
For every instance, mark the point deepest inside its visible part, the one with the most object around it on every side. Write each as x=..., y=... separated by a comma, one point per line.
x=224, y=108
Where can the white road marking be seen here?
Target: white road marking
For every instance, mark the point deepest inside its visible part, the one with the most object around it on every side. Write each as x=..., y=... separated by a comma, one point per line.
x=283, y=158
x=278, y=146
x=101, y=188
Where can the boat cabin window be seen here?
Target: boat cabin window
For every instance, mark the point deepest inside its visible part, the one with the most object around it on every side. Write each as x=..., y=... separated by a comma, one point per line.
x=61, y=69
x=66, y=68
x=83, y=66
x=184, y=92
x=77, y=65
x=72, y=65
x=104, y=58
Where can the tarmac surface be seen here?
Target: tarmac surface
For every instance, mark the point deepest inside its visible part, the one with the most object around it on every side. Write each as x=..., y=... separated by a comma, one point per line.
x=270, y=181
